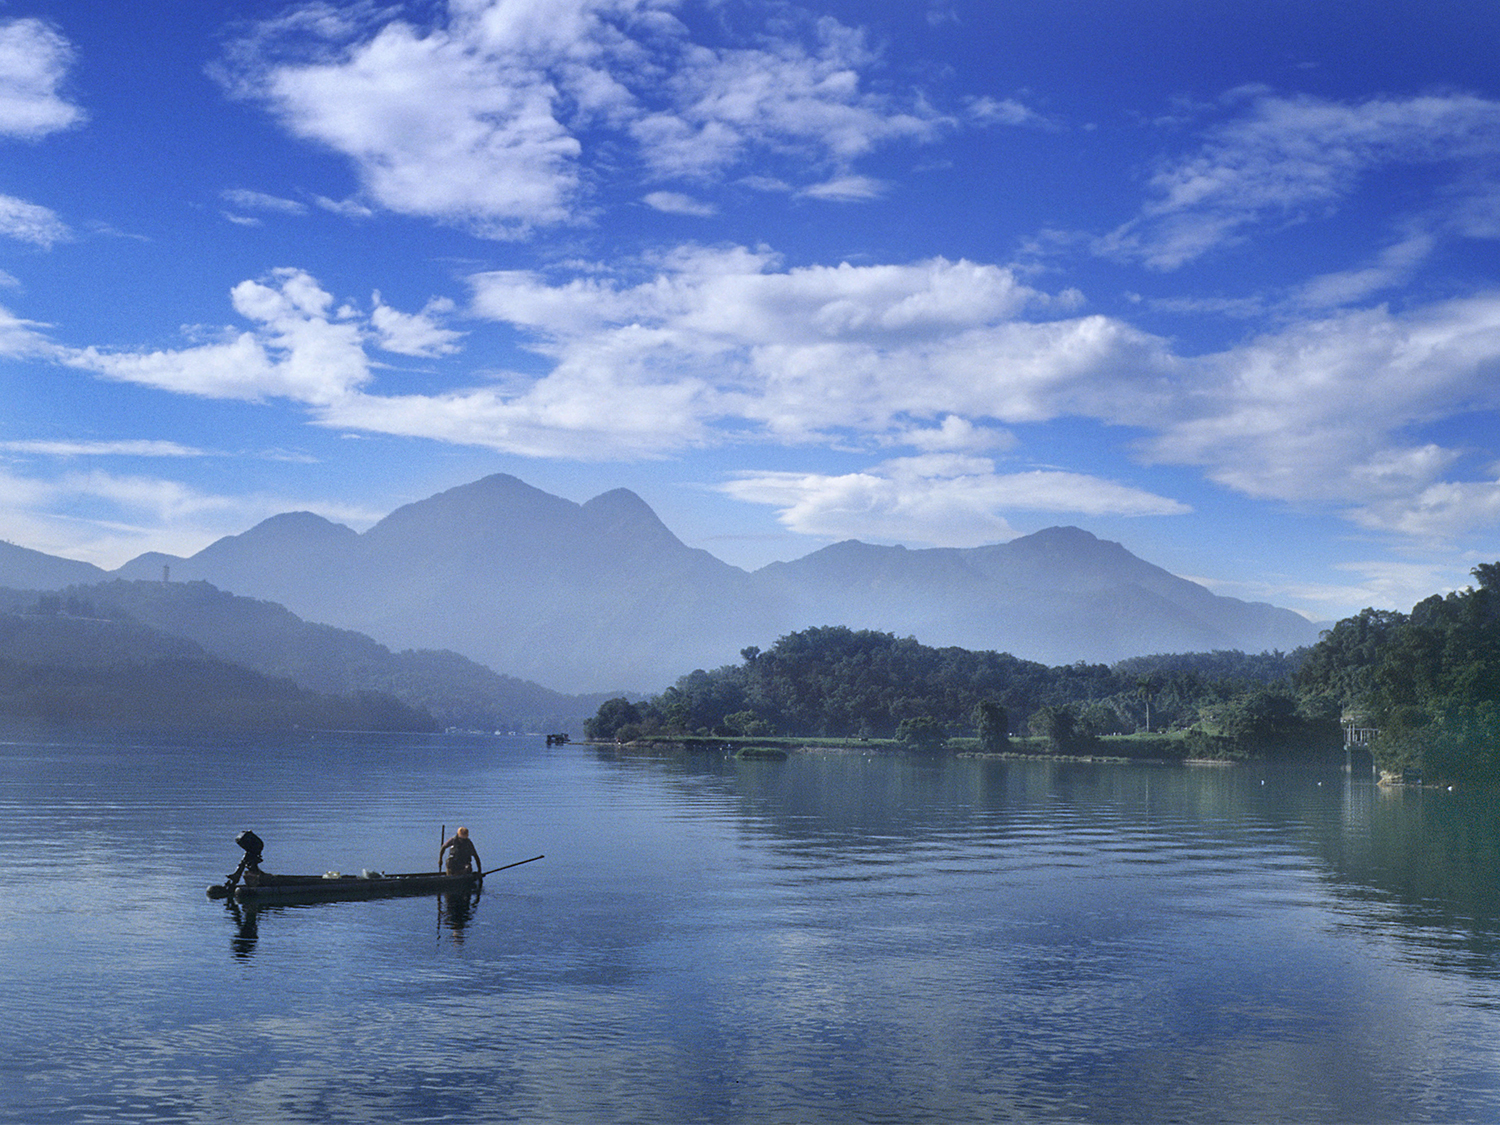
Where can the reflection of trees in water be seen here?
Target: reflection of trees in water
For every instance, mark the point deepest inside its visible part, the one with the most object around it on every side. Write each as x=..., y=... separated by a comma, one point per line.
x=1420, y=866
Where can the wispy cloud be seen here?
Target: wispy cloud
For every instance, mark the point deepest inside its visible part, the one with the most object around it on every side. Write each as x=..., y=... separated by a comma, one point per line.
x=942, y=500
x=419, y=334
x=1323, y=411
x=846, y=189
x=28, y=222
x=707, y=347
x=1393, y=266
x=21, y=339
x=675, y=203
x=1289, y=159
x=128, y=448
x=985, y=110
x=248, y=200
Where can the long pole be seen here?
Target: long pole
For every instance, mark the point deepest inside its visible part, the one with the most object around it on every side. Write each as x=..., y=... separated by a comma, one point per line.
x=508, y=866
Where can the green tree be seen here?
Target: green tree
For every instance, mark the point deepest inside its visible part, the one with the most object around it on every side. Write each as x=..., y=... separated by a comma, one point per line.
x=1097, y=719
x=611, y=716
x=746, y=724
x=1147, y=687
x=992, y=722
x=1058, y=724
x=922, y=732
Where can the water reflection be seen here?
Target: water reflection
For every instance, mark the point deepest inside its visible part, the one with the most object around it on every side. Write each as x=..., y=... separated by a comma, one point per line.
x=1421, y=867
x=455, y=913
x=825, y=940
x=247, y=930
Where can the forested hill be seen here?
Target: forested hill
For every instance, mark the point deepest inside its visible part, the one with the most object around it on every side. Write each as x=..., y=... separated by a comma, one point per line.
x=82, y=668
x=834, y=681
x=270, y=640
x=1429, y=681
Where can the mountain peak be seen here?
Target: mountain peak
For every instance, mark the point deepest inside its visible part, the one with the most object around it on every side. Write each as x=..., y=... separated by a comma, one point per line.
x=603, y=594
x=620, y=512
x=481, y=509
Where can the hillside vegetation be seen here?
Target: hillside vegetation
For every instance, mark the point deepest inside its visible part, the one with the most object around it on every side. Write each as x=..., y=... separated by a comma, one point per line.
x=67, y=653
x=1427, y=681
x=837, y=682
x=84, y=668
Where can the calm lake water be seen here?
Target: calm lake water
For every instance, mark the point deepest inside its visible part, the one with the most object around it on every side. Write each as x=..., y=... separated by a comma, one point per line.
x=834, y=938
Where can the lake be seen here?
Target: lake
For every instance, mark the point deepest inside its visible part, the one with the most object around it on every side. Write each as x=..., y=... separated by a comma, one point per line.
x=834, y=938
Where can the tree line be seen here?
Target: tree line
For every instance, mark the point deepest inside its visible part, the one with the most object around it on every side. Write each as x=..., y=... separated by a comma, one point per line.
x=833, y=681
x=1427, y=682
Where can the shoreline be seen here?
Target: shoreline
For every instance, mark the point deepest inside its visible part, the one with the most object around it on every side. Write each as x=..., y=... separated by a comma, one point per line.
x=731, y=747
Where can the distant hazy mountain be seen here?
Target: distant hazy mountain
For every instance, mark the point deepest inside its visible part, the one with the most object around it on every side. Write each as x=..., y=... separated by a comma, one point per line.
x=1058, y=596
x=271, y=640
x=75, y=661
x=583, y=597
x=24, y=569
x=599, y=596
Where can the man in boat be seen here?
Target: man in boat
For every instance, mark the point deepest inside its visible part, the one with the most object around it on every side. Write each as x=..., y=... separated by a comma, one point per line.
x=462, y=853
x=254, y=848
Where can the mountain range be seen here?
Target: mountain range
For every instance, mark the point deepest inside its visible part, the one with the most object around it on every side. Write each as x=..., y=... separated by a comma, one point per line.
x=602, y=596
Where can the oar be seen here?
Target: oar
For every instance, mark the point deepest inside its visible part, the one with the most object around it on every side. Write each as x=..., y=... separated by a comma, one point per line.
x=508, y=866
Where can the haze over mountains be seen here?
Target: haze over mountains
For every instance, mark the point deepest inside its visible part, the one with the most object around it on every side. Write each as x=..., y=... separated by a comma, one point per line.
x=602, y=596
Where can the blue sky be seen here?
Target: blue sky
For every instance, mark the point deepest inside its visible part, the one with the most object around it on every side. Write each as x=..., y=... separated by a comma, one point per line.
x=1216, y=280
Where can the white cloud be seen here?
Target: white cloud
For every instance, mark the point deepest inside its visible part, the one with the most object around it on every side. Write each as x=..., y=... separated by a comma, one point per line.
x=34, y=62
x=1393, y=266
x=1322, y=412
x=128, y=448
x=785, y=97
x=1440, y=512
x=798, y=354
x=721, y=346
x=348, y=208
x=414, y=334
x=675, y=203
x=954, y=435
x=491, y=117
x=1288, y=159
x=846, y=189
x=22, y=338
x=300, y=350
x=28, y=222
x=942, y=500
x=1003, y=111
x=260, y=201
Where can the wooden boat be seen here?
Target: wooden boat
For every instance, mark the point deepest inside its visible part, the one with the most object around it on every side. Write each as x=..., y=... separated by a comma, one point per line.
x=260, y=886
x=333, y=886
